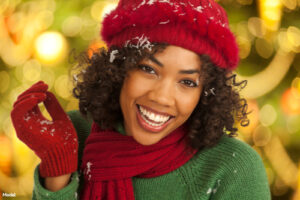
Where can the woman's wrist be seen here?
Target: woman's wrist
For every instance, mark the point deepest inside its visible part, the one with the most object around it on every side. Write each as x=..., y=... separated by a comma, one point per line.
x=57, y=183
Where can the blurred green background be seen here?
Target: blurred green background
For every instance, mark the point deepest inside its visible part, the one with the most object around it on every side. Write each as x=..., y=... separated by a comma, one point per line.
x=37, y=36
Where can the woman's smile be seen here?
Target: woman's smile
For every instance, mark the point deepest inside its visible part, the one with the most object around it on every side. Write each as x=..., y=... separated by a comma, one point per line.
x=160, y=94
x=152, y=121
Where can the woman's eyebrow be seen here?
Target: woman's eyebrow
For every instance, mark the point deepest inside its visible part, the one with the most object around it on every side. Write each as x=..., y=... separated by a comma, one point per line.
x=190, y=71
x=153, y=59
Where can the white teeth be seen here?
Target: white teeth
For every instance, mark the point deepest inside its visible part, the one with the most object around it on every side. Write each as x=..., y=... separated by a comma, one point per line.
x=159, y=119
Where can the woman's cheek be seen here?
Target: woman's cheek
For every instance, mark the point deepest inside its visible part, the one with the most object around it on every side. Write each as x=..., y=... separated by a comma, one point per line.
x=138, y=85
x=187, y=102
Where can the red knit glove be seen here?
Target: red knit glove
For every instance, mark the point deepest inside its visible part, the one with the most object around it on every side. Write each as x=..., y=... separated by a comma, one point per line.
x=54, y=142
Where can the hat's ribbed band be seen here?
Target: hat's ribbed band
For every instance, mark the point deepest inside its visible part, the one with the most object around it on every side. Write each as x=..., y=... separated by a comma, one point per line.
x=173, y=35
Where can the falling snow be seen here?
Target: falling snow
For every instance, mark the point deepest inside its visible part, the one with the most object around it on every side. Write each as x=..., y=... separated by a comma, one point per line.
x=27, y=118
x=164, y=22
x=142, y=43
x=212, y=91
x=151, y=2
x=214, y=190
x=209, y=191
x=46, y=122
x=88, y=169
x=113, y=55
x=199, y=8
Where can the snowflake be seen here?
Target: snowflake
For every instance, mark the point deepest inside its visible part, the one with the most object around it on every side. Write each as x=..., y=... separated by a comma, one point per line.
x=113, y=55
x=164, y=22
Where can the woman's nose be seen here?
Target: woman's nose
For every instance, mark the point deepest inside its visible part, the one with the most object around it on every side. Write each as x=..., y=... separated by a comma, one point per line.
x=162, y=93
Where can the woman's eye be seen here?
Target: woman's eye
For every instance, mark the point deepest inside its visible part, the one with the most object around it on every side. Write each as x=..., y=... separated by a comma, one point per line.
x=147, y=69
x=189, y=83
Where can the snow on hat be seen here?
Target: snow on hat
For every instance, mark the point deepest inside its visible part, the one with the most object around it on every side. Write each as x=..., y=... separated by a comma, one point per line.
x=197, y=25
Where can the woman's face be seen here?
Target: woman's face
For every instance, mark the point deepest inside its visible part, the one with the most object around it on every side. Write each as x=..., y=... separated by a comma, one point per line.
x=161, y=94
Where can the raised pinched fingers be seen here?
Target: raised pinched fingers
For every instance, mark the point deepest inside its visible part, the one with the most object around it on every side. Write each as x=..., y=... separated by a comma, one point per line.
x=39, y=95
x=26, y=105
x=39, y=87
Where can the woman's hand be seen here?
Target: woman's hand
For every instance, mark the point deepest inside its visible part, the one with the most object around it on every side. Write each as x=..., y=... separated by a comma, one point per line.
x=54, y=142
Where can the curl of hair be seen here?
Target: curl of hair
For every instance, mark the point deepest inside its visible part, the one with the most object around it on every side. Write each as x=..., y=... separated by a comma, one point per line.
x=98, y=81
x=220, y=105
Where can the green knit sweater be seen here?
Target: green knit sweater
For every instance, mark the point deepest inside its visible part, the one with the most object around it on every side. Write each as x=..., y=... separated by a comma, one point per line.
x=231, y=170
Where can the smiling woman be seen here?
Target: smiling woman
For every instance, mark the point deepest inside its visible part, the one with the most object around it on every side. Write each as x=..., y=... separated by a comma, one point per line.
x=156, y=113
x=165, y=99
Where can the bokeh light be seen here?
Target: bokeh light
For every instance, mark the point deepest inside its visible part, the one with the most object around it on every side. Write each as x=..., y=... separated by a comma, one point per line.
x=95, y=46
x=267, y=115
x=261, y=136
x=257, y=27
x=50, y=47
x=4, y=81
x=270, y=12
x=108, y=8
x=290, y=102
x=244, y=46
x=63, y=86
x=293, y=35
x=72, y=26
x=264, y=48
x=290, y=4
x=32, y=70
x=6, y=154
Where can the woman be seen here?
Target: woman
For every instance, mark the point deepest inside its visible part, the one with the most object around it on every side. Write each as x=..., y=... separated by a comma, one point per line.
x=159, y=109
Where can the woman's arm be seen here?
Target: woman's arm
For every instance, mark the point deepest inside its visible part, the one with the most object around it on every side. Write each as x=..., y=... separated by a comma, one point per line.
x=69, y=191
x=57, y=183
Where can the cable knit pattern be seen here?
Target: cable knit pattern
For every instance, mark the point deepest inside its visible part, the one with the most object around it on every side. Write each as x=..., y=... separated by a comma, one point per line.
x=231, y=170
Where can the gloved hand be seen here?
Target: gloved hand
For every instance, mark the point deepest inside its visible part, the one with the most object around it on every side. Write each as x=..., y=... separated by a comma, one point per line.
x=54, y=142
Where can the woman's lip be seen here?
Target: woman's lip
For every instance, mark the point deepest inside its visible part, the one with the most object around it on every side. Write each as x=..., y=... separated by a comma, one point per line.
x=147, y=126
x=156, y=112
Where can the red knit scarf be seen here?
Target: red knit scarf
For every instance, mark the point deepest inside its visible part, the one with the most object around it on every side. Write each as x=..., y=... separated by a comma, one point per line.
x=111, y=159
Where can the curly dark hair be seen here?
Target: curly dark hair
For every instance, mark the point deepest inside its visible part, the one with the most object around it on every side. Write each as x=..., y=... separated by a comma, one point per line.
x=98, y=80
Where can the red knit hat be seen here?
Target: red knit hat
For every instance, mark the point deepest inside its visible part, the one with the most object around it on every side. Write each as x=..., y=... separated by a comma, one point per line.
x=198, y=25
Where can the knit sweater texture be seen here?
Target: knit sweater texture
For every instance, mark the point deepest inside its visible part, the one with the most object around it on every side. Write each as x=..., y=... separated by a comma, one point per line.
x=231, y=170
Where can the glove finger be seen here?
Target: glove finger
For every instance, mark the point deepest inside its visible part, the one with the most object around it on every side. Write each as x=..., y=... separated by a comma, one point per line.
x=54, y=108
x=23, y=111
x=28, y=96
x=37, y=87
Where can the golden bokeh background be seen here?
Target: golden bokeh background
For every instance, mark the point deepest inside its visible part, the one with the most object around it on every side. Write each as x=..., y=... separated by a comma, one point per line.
x=37, y=36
